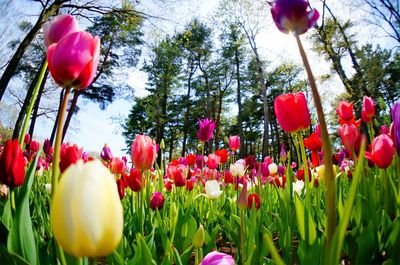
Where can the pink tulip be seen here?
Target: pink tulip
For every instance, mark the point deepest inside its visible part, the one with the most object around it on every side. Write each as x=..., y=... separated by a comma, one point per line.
x=59, y=27
x=217, y=258
x=117, y=166
x=349, y=134
x=234, y=142
x=143, y=151
x=382, y=151
x=74, y=59
x=368, y=109
x=213, y=161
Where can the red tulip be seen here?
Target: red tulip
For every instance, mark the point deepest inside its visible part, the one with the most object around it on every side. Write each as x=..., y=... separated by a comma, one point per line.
x=191, y=159
x=292, y=112
x=314, y=144
x=213, y=161
x=178, y=174
x=293, y=16
x=368, y=109
x=12, y=164
x=117, y=165
x=134, y=180
x=254, y=200
x=382, y=151
x=223, y=154
x=349, y=134
x=205, y=132
x=121, y=188
x=59, y=27
x=73, y=60
x=34, y=146
x=234, y=142
x=69, y=154
x=27, y=138
x=345, y=113
x=143, y=151
x=157, y=200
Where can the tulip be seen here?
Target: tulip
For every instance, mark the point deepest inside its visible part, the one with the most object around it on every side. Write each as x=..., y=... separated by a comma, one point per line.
x=27, y=138
x=250, y=162
x=191, y=159
x=34, y=146
x=134, y=180
x=298, y=186
x=59, y=27
x=117, y=166
x=69, y=154
x=273, y=169
x=73, y=60
x=213, y=161
x=12, y=164
x=223, y=154
x=286, y=106
x=106, y=154
x=345, y=113
x=200, y=161
x=314, y=144
x=283, y=154
x=198, y=238
x=178, y=174
x=349, y=134
x=86, y=211
x=234, y=142
x=368, y=109
x=47, y=149
x=382, y=151
x=205, y=132
x=264, y=169
x=396, y=126
x=121, y=188
x=384, y=130
x=157, y=200
x=237, y=169
x=143, y=151
x=243, y=198
x=254, y=199
x=213, y=190
x=293, y=16
x=217, y=258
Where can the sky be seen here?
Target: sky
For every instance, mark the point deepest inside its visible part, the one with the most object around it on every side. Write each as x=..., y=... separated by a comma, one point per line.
x=92, y=127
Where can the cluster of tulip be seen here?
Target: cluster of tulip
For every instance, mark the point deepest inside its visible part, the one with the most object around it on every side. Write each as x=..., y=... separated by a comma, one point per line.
x=148, y=214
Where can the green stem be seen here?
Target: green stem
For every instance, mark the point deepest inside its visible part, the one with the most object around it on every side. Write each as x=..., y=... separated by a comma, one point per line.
x=61, y=254
x=57, y=145
x=307, y=207
x=242, y=248
x=32, y=103
x=12, y=200
x=196, y=257
x=326, y=146
x=272, y=249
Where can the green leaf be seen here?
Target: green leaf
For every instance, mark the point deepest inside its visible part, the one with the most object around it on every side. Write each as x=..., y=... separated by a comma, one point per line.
x=142, y=253
x=312, y=233
x=21, y=239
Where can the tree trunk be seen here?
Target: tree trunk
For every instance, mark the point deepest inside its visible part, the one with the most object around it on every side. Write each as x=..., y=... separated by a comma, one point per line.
x=186, y=122
x=239, y=103
x=53, y=132
x=37, y=104
x=70, y=113
x=24, y=108
x=13, y=64
x=218, y=120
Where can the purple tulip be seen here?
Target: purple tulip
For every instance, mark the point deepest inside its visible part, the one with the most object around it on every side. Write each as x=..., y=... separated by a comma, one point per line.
x=106, y=154
x=396, y=126
x=293, y=15
x=205, y=132
x=217, y=258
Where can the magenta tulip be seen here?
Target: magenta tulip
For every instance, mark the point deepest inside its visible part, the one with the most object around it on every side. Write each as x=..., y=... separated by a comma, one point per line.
x=217, y=258
x=205, y=132
x=74, y=59
x=59, y=27
x=368, y=109
x=157, y=200
x=293, y=16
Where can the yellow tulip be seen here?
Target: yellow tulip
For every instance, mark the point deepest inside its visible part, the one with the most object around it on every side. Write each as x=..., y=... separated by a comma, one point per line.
x=86, y=211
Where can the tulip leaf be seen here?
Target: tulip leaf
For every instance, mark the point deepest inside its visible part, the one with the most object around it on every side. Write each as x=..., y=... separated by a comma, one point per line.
x=142, y=253
x=21, y=239
x=312, y=234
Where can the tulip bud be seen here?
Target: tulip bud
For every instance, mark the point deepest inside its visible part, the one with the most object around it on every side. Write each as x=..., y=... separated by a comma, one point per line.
x=273, y=169
x=69, y=154
x=106, y=154
x=234, y=142
x=86, y=211
x=382, y=151
x=242, y=201
x=134, y=180
x=368, y=109
x=254, y=199
x=198, y=238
